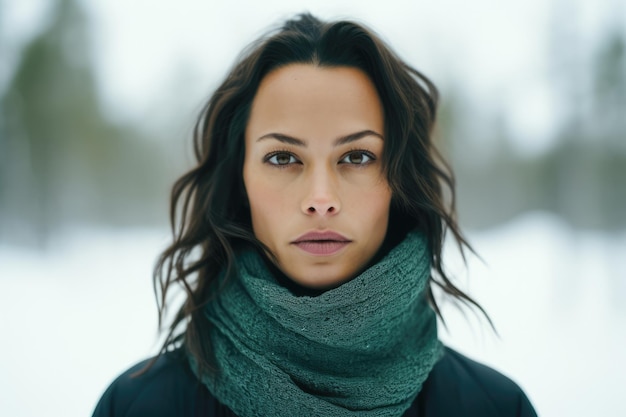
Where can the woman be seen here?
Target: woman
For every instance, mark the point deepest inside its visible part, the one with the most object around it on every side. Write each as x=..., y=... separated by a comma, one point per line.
x=308, y=243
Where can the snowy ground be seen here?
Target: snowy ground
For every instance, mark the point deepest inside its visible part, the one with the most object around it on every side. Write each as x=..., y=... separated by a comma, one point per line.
x=75, y=316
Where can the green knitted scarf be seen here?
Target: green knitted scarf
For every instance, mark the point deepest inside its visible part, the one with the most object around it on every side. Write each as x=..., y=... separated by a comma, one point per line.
x=361, y=349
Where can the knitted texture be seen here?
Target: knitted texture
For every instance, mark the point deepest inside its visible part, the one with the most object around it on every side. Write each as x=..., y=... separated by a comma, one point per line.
x=361, y=349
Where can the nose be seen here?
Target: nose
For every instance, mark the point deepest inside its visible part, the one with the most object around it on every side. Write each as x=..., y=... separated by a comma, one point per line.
x=322, y=197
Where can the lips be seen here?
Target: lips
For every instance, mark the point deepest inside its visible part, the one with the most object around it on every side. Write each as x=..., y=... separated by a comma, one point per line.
x=321, y=243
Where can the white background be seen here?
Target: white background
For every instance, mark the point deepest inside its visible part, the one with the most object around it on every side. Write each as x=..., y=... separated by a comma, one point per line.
x=75, y=316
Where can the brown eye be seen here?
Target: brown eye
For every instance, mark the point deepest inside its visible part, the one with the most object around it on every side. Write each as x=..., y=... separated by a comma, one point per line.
x=281, y=158
x=357, y=158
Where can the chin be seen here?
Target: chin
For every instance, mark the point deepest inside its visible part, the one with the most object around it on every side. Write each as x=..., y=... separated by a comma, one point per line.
x=328, y=282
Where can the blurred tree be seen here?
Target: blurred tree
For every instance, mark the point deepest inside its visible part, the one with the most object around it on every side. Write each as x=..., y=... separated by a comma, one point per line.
x=609, y=99
x=582, y=178
x=590, y=189
x=62, y=162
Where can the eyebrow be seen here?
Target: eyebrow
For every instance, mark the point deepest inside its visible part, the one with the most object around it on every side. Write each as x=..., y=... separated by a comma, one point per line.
x=342, y=140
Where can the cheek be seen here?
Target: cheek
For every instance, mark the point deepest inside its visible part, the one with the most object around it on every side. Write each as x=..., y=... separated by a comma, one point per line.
x=370, y=202
x=267, y=203
x=379, y=211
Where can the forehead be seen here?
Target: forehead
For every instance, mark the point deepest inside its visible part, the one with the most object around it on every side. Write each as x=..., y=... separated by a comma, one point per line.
x=301, y=98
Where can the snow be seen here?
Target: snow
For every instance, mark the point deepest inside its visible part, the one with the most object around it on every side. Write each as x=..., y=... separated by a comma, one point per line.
x=76, y=315
x=556, y=297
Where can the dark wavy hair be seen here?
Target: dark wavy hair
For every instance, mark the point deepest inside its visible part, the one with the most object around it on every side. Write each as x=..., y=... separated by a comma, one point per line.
x=209, y=212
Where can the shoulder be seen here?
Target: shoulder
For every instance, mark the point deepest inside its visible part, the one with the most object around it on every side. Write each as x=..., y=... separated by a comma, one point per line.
x=167, y=388
x=458, y=385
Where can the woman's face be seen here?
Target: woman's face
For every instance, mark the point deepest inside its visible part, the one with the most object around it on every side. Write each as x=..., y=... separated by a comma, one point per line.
x=312, y=171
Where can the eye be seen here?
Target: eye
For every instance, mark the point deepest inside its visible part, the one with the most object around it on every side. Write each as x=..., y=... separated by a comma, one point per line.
x=281, y=158
x=358, y=158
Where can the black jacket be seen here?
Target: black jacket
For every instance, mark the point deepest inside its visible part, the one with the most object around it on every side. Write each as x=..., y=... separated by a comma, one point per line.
x=456, y=387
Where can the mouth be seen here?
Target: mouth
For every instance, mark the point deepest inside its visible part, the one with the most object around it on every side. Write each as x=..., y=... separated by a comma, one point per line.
x=321, y=243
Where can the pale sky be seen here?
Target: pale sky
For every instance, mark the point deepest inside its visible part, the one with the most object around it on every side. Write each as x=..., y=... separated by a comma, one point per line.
x=497, y=53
